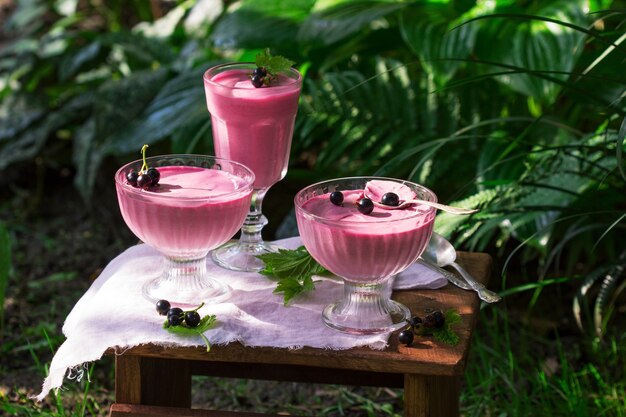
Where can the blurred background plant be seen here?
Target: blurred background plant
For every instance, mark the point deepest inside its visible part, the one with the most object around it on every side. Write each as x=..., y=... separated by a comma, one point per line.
x=513, y=106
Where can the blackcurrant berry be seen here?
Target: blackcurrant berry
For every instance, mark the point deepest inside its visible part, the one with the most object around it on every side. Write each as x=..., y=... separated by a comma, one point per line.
x=144, y=180
x=257, y=81
x=175, y=316
x=365, y=205
x=406, y=337
x=434, y=320
x=336, y=197
x=131, y=177
x=260, y=71
x=440, y=319
x=192, y=318
x=390, y=199
x=154, y=174
x=162, y=307
x=415, y=321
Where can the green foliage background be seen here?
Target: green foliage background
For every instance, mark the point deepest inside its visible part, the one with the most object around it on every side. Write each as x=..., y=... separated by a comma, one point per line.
x=512, y=106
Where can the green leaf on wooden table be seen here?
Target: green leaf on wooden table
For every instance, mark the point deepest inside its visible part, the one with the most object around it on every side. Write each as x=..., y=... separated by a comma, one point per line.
x=445, y=334
x=293, y=269
x=205, y=324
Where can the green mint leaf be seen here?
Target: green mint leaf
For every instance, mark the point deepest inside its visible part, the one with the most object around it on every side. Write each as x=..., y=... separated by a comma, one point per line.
x=446, y=335
x=291, y=287
x=288, y=263
x=293, y=269
x=274, y=65
x=205, y=324
x=452, y=317
x=263, y=59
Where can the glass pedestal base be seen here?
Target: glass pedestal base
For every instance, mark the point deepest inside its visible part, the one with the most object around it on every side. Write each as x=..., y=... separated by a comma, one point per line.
x=238, y=256
x=366, y=309
x=186, y=284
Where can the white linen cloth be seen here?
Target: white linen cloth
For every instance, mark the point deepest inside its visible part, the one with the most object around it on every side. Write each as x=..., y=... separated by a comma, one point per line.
x=114, y=314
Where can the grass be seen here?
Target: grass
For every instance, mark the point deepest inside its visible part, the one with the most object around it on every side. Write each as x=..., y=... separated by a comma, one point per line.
x=513, y=370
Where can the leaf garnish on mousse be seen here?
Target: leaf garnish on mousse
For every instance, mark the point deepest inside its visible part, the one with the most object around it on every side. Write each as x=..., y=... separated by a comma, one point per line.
x=271, y=66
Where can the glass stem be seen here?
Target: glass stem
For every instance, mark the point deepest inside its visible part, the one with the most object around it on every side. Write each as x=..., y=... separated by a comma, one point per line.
x=255, y=220
x=188, y=275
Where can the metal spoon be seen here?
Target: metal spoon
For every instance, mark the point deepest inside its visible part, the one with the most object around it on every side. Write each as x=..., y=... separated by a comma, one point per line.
x=441, y=252
x=406, y=203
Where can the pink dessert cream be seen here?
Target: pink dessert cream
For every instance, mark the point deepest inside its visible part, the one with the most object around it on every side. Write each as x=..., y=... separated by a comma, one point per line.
x=364, y=247
x=192, y=211
x=252, y=125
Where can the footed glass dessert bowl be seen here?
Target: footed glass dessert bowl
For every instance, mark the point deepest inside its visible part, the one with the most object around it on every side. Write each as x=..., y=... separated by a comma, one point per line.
x=196, y=204
x=364, y=245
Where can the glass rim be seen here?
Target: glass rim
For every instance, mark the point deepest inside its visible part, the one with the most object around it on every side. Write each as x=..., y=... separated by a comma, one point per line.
x=247, y=65
x=299, y=206
x=120, y=177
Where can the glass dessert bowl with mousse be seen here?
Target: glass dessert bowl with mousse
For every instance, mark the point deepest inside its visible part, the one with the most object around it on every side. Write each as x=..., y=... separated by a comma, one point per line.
x=196, y=204
x=364, y=244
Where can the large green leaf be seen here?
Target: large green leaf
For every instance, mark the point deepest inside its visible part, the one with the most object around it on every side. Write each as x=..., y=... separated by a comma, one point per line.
x=363, y=121
x=116, y=105
x=535, y=41
x=334, y=24
x=5, y=267
x=31, y=138
x=261, y=24
x=432, y=33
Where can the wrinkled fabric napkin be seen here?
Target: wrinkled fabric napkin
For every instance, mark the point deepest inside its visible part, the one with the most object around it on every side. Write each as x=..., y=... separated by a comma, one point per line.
x=114, y=314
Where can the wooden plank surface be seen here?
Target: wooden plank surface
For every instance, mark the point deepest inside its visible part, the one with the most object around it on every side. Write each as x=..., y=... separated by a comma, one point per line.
x=425, y=356
x=134, y=410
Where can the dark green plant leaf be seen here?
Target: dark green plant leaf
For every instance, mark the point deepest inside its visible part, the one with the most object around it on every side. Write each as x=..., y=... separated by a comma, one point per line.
x=72, y=63
x=427, y=30
x=5, y=268
x=336, y=23
x=116, y=106
x=535, y=42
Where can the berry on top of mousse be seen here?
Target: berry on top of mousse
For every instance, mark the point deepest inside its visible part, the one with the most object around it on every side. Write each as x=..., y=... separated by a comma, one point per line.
x=365, y=205
x=390, y=199
x=268, y=68
x=336, y=197
x=146, y=177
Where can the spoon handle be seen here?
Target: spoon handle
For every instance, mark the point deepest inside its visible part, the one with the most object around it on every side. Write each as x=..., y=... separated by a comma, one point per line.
x=443, y=207
x=483, y=293
x=453, y=279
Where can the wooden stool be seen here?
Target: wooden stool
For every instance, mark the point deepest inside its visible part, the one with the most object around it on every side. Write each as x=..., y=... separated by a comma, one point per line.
x=429, y=372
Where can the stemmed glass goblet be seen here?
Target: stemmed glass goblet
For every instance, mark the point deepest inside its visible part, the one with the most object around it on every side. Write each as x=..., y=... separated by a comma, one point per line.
x=253, y=126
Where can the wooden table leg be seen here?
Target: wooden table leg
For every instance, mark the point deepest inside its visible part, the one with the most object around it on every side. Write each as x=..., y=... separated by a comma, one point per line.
x=152, y=381
x=431, y=396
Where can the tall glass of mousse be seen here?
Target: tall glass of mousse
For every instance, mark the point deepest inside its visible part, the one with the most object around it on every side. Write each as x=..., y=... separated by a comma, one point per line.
x=364, y=247
x=253, y=126
x=199, y=203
